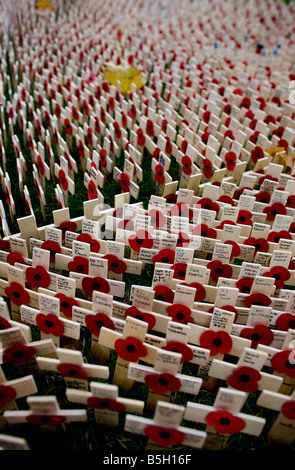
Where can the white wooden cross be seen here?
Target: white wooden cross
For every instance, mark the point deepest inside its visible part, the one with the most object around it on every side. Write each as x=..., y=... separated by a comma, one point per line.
x=224, y=418
x=71, y=366
x=106, y=402
x=282, y=431
x=165, y=430
x=44, y=411
x=8, y=442
x=62, y=173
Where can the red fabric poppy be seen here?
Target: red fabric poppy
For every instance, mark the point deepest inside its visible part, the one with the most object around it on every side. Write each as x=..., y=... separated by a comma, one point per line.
x=7, y=394
x=164, y=293
x=4, y=324
x=168, y=146
x=141, y=239
x=18, y=354
x=183, y=239
x=162, y=383
x=179, y=270
x=50, y=324
x=140, y=137
x=158, y=219
x=230, y=160
x=17, y=294
x=159, y=174
x=164, y=125
x=283, y=362
x=186, y=165
x=257, y=299
x=166, y=255
x=94, y=323
x=45, y=419
x=66, y=304
x=236, y=250
x=164, y=436
x=53, y=247
x=244, y=217
x=171, y=198
x=288, y=409
x=225, y=422
x=4, y=245
x=245, y=103
x=103, y=158
x=280, y=274
x=63, y=180
x=90, y=284
x=256, y=154
x=291, y=201
x=92, y=190
x=285, y=321
x=216, y=342
x=273, y=210
x=67, y=226
x=244, y=284
x=68, y=127
x=207, y=203
x=181, y=348
x=130, y=349
x=73, y=371
x=184, y=145
x=260, y=244
x=143, y=316
x=111, y=103
x=15, y=257
x=37, y=277
x=204, y=231
x=259, y=334
x=267, y=177
x=219, y=269
x=180, y=313
x=276, y=236
x=226, y=199
x=79, y=265
x=115, y=264
x=132, y=112
x=263, y=196
x=207, y=168
x=105, y=404
x=124, y=182
x=117, y=130
x=86, y=238
x=40, y=165
x=245, y=379
x=150, y=128
x=206, y=116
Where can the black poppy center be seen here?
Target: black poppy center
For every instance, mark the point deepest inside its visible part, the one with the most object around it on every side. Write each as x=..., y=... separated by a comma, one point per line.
x=139, y=241
x=180, y=315
x=37, y=277
x=130, y=348
x=277, y=239
x=16, y=295
x=96, y=285
x=45, y=419
x=273, y=212
x=277, y=276
x=218, y=271
x=164, y=434
x=73, y=372
x=159, y=297
x=257, y=246
x=290, y=365
x=48, y=323
x=163, y=381
x=104, y=404
x=242, y=218
x=203, y=234
x=115, y=264
x=207, y=206
x=52, y=252
x=80, y=268
x=18, y=354
x=224, y=422
x=181, y=273
x=292, y=324
x=255, y=337
x=246, y=289
x=165, y=259
x=244, y=378
x=217, y=342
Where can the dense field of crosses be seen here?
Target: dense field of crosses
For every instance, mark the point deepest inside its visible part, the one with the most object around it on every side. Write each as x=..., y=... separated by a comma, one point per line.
x=147, y=250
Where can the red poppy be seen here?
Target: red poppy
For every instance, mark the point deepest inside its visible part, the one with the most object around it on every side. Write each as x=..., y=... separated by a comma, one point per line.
x=124, y=119
x=245, y=103
x=86, y=238
x=140, y=137
x=229, y=133
x=111, y=103
x=17, y=294
x=7, y=394
x=168, y=145
x=4, y=245
x=37, y=277
x=4, y=324
x=115, y=264
x=103, y=158
x=280, y=274
x=124, y=182
x=288, y=409
x=179, y=270
x=186, y=165
x=226, y=199
x=244, y=284
x=50, y=324
x=132, y=112
x=283, y=362
x=45, y=419
x=230, y=160
x=184, y=145
x=143, y=316
x=63, y=180
x=79, y=265
x=164, y=125
x=183, y=239
x=66, y=304
x=150, y=128
x=164, y=436
x=256, y=154
x=140, y=239
x=162, y=383
x=206, y=116
x=245, y=379
x=259, y=334
x=117, y=130
x=158, y=219
x=236, y=250
x=180, y=313
x=53, y=247
x=291, y=201
x=200, y=290
x=276, y=236
x=40, y=165
x=90, y=284
x=260, y=244
x=266, y=177
x=18, y=354
x=105, y=404
x=181, y=348
x=207, y=203
x=263, y=196
x=171, y=198
x=159, y=174
x=244, y=217
x=181, y=210
x=73, y=371
x=156, y=153
x=68, y=127
x=273, y=210
x=207, y=168
x=94, y=323
x=285, y=321
x=204, y=231
x=219, y=269
x=130, y=349
x=257, y=299
x=164, y=293
x=166, y=255
x=216, y=342
x=225, y=422
x=15, y=257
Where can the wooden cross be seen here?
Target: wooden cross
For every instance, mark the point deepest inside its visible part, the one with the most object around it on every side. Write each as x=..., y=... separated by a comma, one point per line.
x=8, y=442
x=107, y=403
x=62, y=173
x=165, y=430
x=224, y=418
